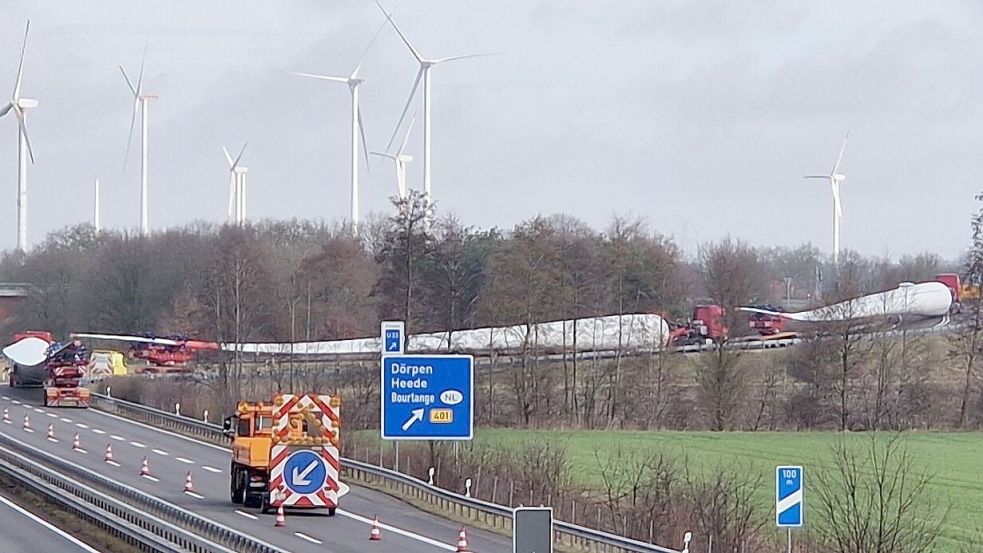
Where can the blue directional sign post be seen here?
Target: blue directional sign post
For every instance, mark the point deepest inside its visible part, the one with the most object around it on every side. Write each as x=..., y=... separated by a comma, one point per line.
x=789, y=499
x=393, y=337
x=427, y=397
x=304, y=472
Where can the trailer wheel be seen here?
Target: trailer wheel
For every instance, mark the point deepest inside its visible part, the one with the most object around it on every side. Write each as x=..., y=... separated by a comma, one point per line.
x=331, y=511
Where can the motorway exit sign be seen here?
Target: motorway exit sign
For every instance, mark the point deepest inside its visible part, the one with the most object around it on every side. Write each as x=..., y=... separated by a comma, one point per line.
x=427, y=397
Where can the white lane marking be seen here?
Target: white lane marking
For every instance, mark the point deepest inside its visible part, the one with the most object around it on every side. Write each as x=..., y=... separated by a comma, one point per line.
x=137, y=444
x=247, y=515
x=16, y=402
x=29, y=430
x=65, y=419
x=401, y=532
x=211, y=469
x=185, y=461
x=37, y=410
x=111, y=462
x=61, y=533
x=53, y=440
x=117, y=438
x=97, y=431
x=82, y=425
x=160, y=452
x=7, y=422
x=162, y=431
x=151, y=478
x=5, y=398
x=308, y=538
x=52, y=415
x=195, y=495
x=80, y=450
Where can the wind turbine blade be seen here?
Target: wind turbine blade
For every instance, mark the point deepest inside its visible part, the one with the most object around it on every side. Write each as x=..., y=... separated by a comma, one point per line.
x=416, y=84
x=23, y=130
x=20, y=67
x=839, y=158
x=406, y=138
x=227, y=156
x=361, y=60
x=129, y=137
x=406, y=41
x=466, y=56
x=365, y=147
x=6, y=108
x=142, y=65
x=129, y=83
x=383, y=154
x=315, y=76
x=238, y=157
x=817, y=177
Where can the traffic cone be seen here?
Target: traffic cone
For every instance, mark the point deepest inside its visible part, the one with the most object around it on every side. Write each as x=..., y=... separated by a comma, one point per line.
x=462, y=542
x=27, y=423
x=76, y=443
x=51, y=431
x=6, y=415
x=109, y=453
x=188, y=486
x=376, y=533
x=144, y=468
x=280, y=519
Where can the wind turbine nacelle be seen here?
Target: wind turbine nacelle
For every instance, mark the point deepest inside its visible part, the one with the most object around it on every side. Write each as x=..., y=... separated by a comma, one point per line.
x=240, y=170
x=405, y=158
x=839, y=177
x=26, y=103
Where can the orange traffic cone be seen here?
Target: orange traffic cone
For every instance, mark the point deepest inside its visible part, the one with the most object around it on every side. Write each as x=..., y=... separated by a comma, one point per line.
x=51, y=431
x=144, y=468
x=6, y=415
x=376, y=533
x=188, y=486
x=109, y=453
x=280, y=519
x=27, y=423
x=462, y=542
x=76, y=442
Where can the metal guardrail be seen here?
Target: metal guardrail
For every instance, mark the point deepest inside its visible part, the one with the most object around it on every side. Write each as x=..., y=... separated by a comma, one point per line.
x=406, y=487
x=165, y=525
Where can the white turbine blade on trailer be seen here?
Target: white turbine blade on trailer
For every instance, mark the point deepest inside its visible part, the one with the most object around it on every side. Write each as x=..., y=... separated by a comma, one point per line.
x=20, y=66
x=409, y=100
x=839, y=158
x=23, y=129
x=27, y=351
x=316, y=76
x=125, y=338
x=406, y=41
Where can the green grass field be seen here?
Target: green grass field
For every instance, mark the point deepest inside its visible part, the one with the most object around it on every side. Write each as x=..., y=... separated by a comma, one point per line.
x=955, y=460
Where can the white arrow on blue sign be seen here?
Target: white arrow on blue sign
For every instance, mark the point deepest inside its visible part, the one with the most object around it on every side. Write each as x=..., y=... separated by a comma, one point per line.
x=304, y=472
x=789, y=497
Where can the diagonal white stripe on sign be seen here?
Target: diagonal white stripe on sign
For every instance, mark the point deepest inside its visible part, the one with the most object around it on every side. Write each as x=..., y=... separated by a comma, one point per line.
x=790, y=501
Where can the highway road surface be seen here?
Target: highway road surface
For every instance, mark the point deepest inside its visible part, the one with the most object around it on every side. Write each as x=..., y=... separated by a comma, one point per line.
x=23, y=532
x=171, y=456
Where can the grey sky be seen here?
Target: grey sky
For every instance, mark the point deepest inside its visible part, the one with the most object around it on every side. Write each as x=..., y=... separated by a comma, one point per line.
x=699, y=116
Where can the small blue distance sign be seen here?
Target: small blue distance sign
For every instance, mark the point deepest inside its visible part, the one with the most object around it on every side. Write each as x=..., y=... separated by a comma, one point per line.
x=789, y=496
x=427, y=397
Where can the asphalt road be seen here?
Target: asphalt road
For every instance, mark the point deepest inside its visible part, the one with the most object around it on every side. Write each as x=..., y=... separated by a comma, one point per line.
x=23, y=532
x=170, y=457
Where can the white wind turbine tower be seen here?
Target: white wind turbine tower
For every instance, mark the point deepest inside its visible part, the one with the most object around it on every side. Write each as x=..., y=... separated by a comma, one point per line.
x=424, y=73
x=835, y=179
x=95, y=208
x=400, y=159
x=358, y=130
x=237, y=187
x=140, y=102
x=20, y=106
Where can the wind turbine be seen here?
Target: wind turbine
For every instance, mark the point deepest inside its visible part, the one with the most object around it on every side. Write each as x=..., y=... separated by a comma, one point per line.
x=424, y=73
x=835, y=179
x=140, y=102
x=95, y=208
x=358, y=130
x=400, y=160
x=20, y=106
x=237, y=187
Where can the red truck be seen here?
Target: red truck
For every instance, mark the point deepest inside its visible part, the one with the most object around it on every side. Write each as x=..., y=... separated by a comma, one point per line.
x=707, y=326
x=58, y=368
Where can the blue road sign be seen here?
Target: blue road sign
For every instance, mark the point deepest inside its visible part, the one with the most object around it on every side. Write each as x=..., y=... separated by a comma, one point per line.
x=392, y=337
x=304, y=472
x=427, y=397
x=789, y=497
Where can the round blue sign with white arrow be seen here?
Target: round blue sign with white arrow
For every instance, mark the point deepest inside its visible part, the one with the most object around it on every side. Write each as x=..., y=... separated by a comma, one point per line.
x=305, y=472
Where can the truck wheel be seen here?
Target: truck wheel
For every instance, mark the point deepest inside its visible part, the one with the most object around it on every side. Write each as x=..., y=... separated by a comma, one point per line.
x=265, y=503
x=331, y=511
x=238, y=490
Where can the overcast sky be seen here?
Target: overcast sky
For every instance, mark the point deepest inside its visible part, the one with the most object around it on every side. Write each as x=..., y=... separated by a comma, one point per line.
x=700, y=116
